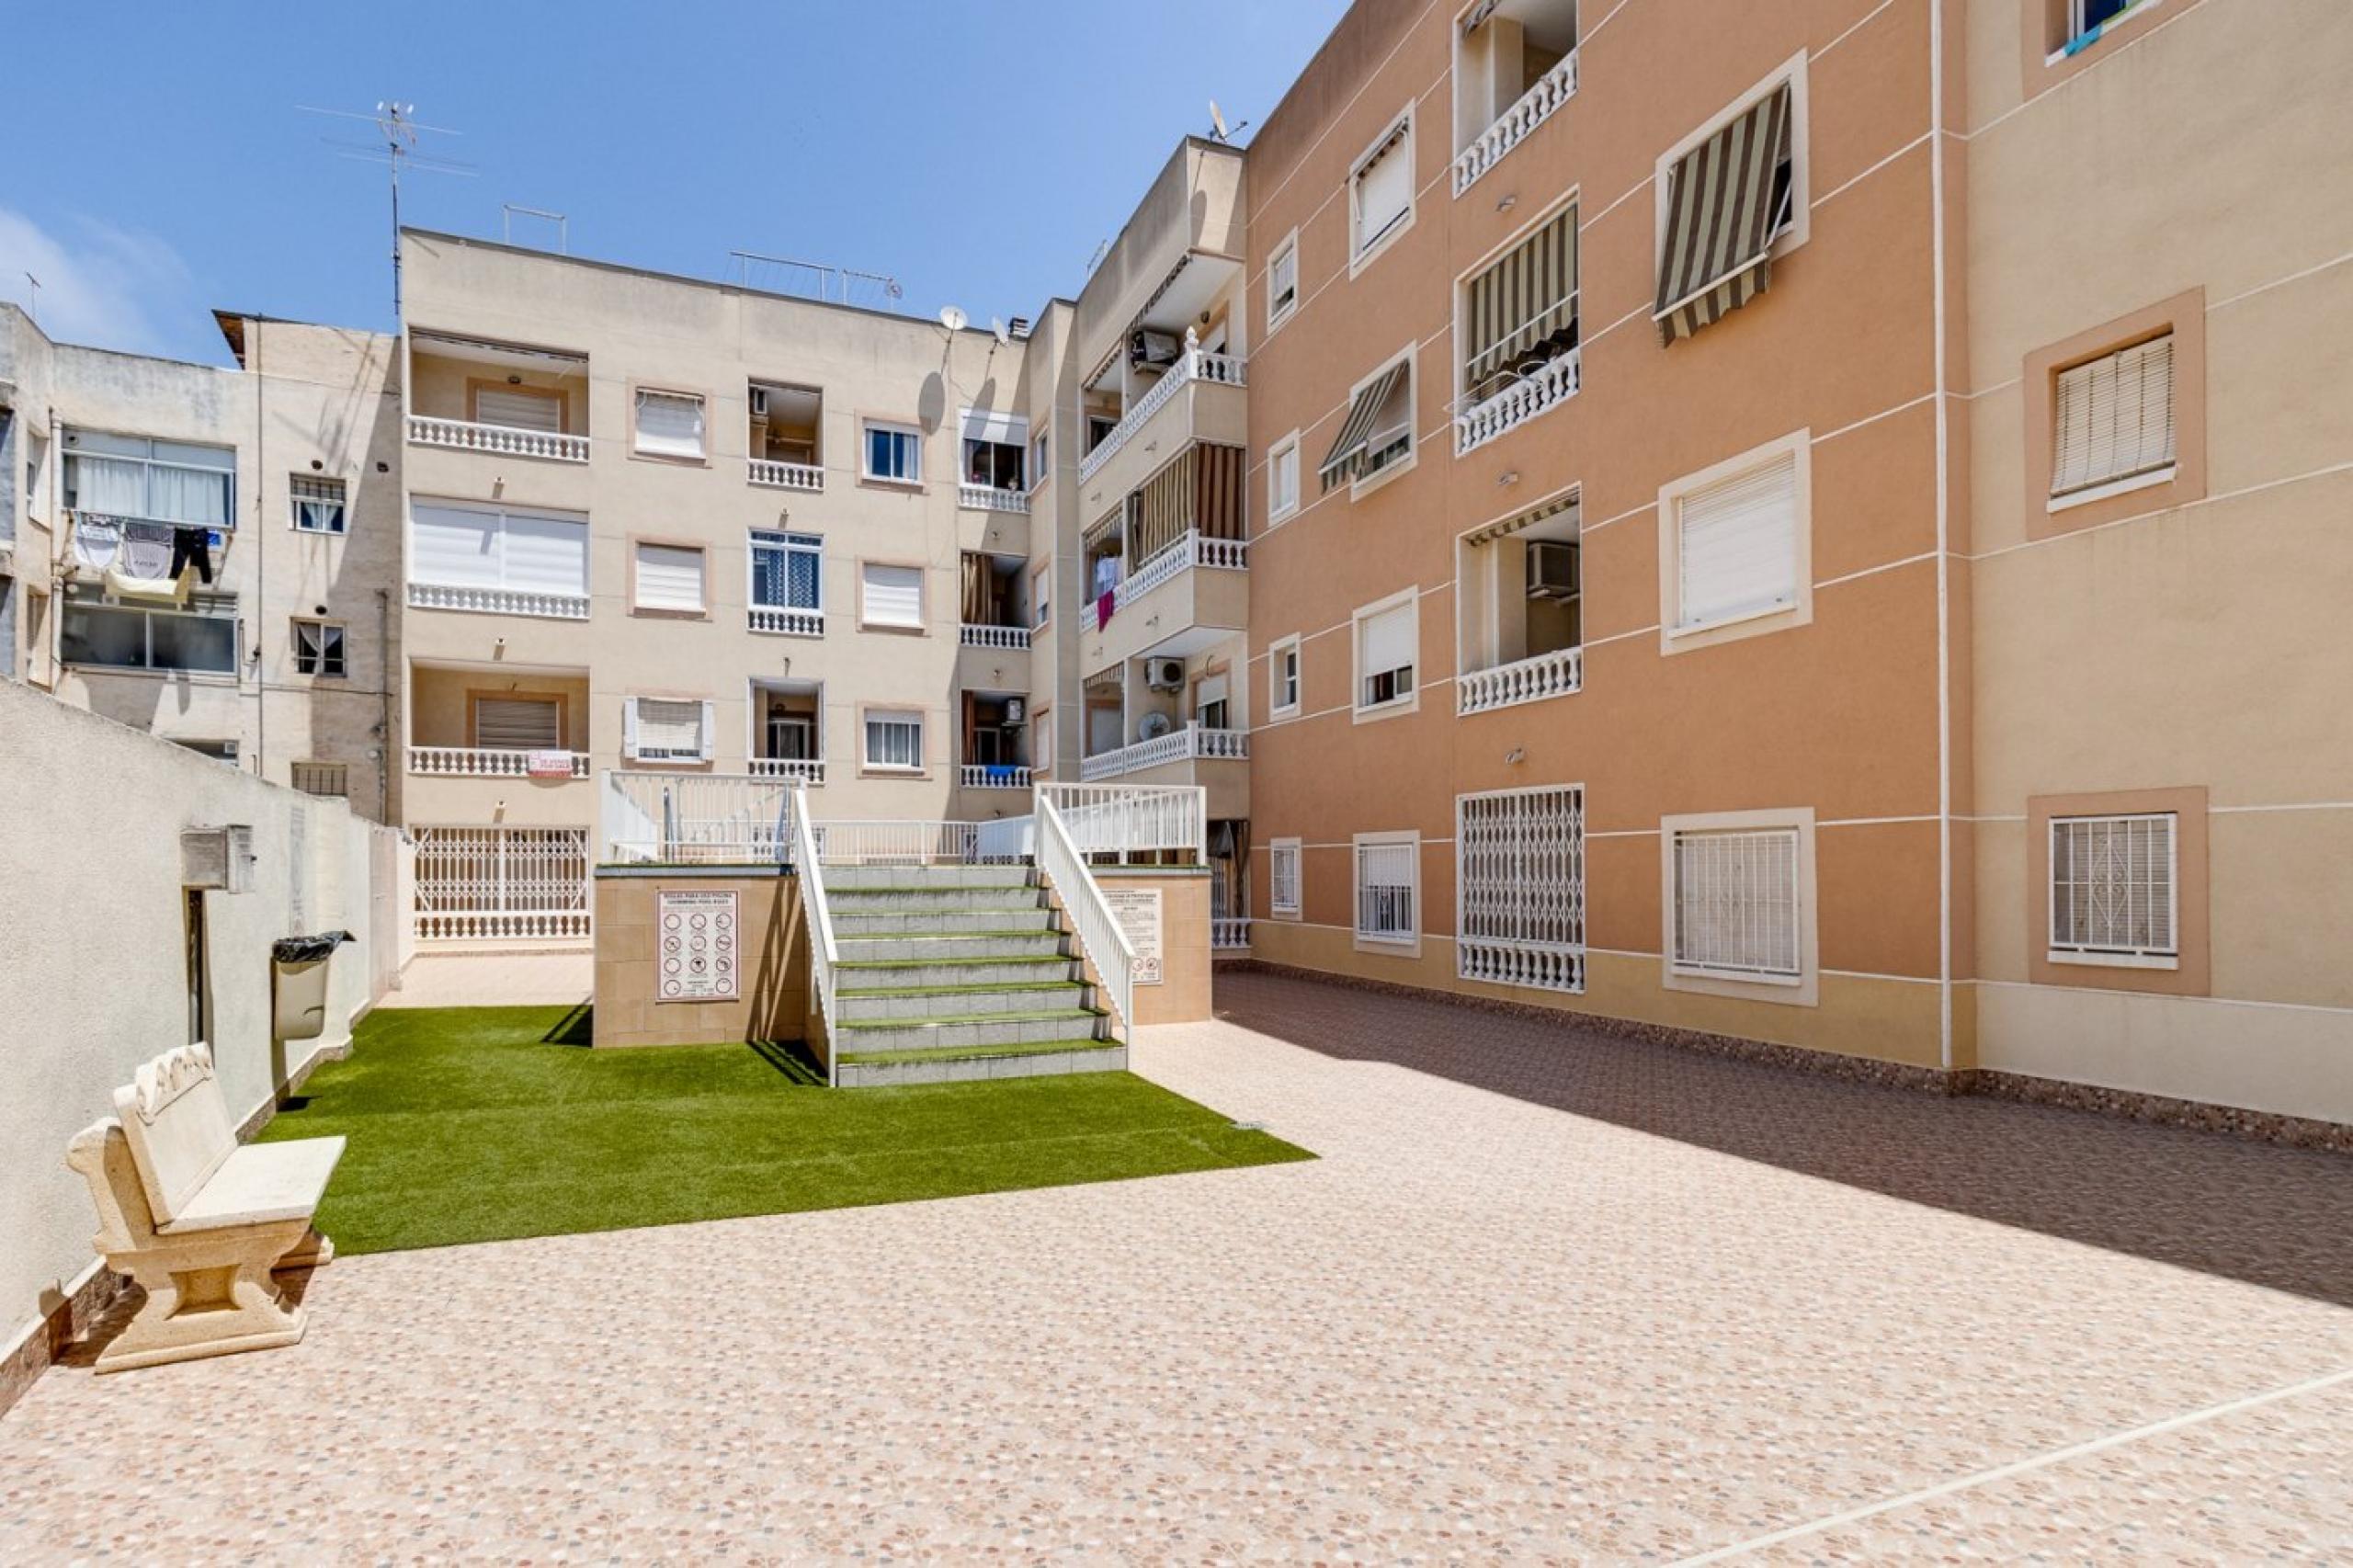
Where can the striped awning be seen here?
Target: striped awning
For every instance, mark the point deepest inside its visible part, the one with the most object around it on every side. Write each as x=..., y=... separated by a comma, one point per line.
x=1349, y=450
x=1522, y=300
x=1721, y=220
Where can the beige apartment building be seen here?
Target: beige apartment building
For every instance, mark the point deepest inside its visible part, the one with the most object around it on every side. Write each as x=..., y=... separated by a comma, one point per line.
x=281, y=479
x=1809, y=526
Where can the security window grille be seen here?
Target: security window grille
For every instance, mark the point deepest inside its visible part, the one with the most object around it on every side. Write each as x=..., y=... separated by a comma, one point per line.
x=318, y=503
x=786, y=570
x=669, y=729
x=1283, y=283
x=669, y=425
x=895, y=740
x=1385, y=879
x=319, y=649
x=1282, y=876
x=895, y=452
x=2114, y=889
x=1736, y=546
x=519, y=723
x=2113, y=418
x=1385, y=649
x=323, y=779
x=502, y=881
x=669, y=578
x=201, y=638
x=164, y=482
x=1519, y=875
x=1736, y=904
x=1382, y=189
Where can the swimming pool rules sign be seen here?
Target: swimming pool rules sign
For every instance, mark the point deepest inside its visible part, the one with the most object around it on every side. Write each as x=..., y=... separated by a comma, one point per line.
x=1138, y=912
x=695, y=947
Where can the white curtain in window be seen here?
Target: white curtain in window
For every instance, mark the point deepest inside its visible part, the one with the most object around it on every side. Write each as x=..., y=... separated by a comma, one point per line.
x=546, y=555
x=893, y=740
x=116, y=487
x=1738, y=545
x=187, y=495
x=893, y=595
x=669, y=577
x=669, y=425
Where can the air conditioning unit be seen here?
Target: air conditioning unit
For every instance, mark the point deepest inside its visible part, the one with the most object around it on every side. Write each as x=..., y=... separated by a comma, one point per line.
x=1016, y=712
x=1148, y=347
x=759, y=403
x=1552, y=569
x=1164, y=674
x=219, y=858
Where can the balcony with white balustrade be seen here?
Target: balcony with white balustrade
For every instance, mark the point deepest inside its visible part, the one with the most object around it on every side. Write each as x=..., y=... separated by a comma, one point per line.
x=1515, y=67
x=500, y=400
x=784, y=475
x=1185, y=598
x=810, y=771
x=1216, y=760
x=485, y=747
x=1199, y=397
x=1532, y=389
x=1532, y=680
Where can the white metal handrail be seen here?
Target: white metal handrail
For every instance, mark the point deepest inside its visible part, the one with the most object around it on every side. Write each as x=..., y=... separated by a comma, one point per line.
x=1533, y=108
x=490, y=762
x=1195, y=364
x=990, y=498
x=1125, y=819
x=1523, y=680
x=898, y=841
x=808, y=866
x=1554, y=383
x=1178, y=745
x=701, y=818
x=1015, y=638
x=784, y=476
x=788, y=621
x=507, y=440
x=1097, y=929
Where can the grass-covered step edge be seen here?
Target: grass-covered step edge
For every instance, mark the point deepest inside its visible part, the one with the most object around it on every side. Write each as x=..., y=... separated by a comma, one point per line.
x=1060, y=1015
x=976, y=1052
x=870, y=992
x=1040, y=959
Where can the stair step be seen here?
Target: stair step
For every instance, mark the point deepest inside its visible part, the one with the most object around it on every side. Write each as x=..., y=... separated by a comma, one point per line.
x=856, y=1071
x=948, y=947
x=920, y=1005
x=943, y=922
x=962, y=1034
x=856, y=878
x=866, y=974
x=860, y=901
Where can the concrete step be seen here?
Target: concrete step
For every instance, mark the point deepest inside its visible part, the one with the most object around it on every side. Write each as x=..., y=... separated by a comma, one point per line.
x=966, y=1034
x=921, y=1005
x=941, y=922
x=918, y=973
x=859, y=901
x=957, y=1067
x=950, y=947
x=851, y=878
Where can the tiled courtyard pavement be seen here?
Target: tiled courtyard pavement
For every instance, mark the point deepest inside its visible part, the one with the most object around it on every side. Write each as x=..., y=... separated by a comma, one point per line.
x=1545, y=1297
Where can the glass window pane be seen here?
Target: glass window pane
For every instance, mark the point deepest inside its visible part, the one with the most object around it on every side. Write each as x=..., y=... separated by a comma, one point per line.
x=204, y=643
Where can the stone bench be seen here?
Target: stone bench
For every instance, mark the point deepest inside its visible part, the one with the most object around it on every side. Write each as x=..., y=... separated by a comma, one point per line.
x=199, y=1220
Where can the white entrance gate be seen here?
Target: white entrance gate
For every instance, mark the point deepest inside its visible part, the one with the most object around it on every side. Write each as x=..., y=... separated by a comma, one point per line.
x=482, y=883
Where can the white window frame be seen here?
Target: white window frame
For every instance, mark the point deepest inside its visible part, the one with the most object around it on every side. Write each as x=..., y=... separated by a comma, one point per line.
x=68, y=451
x=790, y=542
x=701, y=452
x=321, y=658
x=1360, y=482
x=1364, y=253
x=914, y=433
x=706, y=730
x=300, y=507
x=865, y=618
x=1278, y=850
x=1676, y=638
x=1278, y=510
x=1412, y=698
x=636, y=577
x=1278, y=312
x=1801, y=224
x=1284, y=650
x=502, y=513
x=1405, y=943
x=67, y=606
x=1801, y=990
x=1040, y=448
x=2114, y=956
x=907, y=718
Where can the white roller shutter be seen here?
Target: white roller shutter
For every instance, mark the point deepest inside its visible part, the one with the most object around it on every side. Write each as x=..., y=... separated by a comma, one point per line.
x=893, y=595
x=668, y=729
x=2114, y=417
x=453, y=546
x=547, y=555
x=518, y=723
x=1737, y=545
x=669, y=577
x=987, y=425
x=1389, y=640
x=669, y=425
x=1384, y=189
x=520, y=409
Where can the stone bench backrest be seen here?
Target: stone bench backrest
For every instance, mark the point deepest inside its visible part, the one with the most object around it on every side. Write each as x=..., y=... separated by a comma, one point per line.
x=179, y=1127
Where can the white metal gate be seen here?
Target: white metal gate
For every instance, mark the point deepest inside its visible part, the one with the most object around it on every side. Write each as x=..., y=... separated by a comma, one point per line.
x=1519, y=887
x=502, y=882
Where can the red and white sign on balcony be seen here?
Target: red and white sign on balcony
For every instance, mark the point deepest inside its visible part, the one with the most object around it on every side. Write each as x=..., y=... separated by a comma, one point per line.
x=549, y=765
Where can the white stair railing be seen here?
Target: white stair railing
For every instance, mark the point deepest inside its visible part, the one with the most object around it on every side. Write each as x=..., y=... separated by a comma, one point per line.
x=1097, y=929
x=823, y=954
x=1128, y=819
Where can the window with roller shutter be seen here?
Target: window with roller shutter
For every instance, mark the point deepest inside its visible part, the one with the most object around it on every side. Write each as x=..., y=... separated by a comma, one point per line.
x=462, y=546
x=1735, y=547
x=891, y=595
x=519, y=723
x=665, y=729
x=2113, y=420
x=669, y=425
x=669, y=578
x=1388, y=638
x=1388, y=887
x=1381, y=191
x=519, y=408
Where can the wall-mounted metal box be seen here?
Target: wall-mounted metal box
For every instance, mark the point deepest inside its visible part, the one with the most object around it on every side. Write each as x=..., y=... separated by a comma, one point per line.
x=219, y=858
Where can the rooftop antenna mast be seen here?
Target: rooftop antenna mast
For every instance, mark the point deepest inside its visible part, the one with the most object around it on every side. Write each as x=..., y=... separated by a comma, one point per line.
x=397, y=128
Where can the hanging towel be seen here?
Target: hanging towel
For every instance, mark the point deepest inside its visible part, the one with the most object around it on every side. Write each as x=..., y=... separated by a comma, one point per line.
x=190, y=547
x=123, y=584
x=146, y=550
x=96, y=541
x=1104, y=603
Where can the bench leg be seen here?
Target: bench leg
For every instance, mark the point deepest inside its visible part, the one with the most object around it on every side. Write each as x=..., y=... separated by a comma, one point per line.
x=215, y=1300
x=314, y=1251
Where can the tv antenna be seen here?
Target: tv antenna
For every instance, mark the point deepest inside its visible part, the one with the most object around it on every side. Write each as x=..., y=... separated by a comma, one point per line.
x=397, y=151
x=1096, y=259
x=508, y=212
x=32, y=301
x=1218, y=128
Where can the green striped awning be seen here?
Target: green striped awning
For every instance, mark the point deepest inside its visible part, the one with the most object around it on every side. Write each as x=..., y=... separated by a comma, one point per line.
x=1523, y=298
x=1721, y=220
x=1340, y=464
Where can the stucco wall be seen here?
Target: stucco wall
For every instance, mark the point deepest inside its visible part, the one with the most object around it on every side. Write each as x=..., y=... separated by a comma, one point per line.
x=92, y=924
x=772, y=961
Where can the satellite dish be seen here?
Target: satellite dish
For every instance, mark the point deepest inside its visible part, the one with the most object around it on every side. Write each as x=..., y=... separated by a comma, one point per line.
x=952, y=319
x=1217, y=122
x=1004, y=338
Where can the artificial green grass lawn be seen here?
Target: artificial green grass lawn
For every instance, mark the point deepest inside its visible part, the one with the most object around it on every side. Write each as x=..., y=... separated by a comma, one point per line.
x=480, y=1124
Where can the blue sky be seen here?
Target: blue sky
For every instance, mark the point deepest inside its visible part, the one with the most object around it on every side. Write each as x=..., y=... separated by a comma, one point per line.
x=978, y=151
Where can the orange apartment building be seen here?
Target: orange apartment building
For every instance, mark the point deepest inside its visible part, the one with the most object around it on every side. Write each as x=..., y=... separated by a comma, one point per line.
x=1756, y=535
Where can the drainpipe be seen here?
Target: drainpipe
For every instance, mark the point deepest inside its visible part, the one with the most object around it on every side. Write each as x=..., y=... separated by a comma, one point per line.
x=384, y=691
x=261, y=570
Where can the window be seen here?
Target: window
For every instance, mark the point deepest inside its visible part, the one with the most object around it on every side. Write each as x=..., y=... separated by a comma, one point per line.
x=1282, y=876
x=1039, y=472
x=330, y=778
x=894, y=742
x=1381, y=191
x=520, y=407
x=2115, y=891
x=519, y=723
x=1377, y=437
x=1282, y=677
x=319, y=649
x=787, y=570
x=665, y=729
x=894, y=452
x=528, y=562
x=1211, y=708
x=669, y=578
x=1520, y=314
x=669, y=425
x=164, y=482
x=1388, y=638
x=1099, y=427
x=893, y=595
x=1519, y=887
x=1734, y=548
x=201, y=638
x=1736, y=904
x=1040, y=581
x=997, y=450
x=318, y=503
x=1388, y=876
x=1730, y=197
x=2113, y=421
x=1282, y=281
x=2086, y=18
x=1283, y=478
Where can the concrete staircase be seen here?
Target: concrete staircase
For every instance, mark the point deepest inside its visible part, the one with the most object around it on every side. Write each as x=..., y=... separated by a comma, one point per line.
x=952, y=972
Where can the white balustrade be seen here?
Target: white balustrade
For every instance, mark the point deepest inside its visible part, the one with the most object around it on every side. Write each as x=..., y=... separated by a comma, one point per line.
x=1523, y=680
x=1542, y=966
x=1229, y=935
x=810, y=771
x=1177, y=745
x=1554, y=383
x=989, y=498
x=497, y=601
x=785, y=621
x=1192, y=548
x=902, y=841
x=491, y=762
x=1015, y=638
x=1125, y=819
x=505, y=440
x=734, y=818
x=1195, y=364
x=1534, y=106
x=784, y=476
x=1100, y=939
x=982, y=776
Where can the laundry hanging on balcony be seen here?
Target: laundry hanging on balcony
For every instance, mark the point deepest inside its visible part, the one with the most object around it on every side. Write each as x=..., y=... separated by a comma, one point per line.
x=1349, y=450
x=1722, y=212
x=97, y=541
